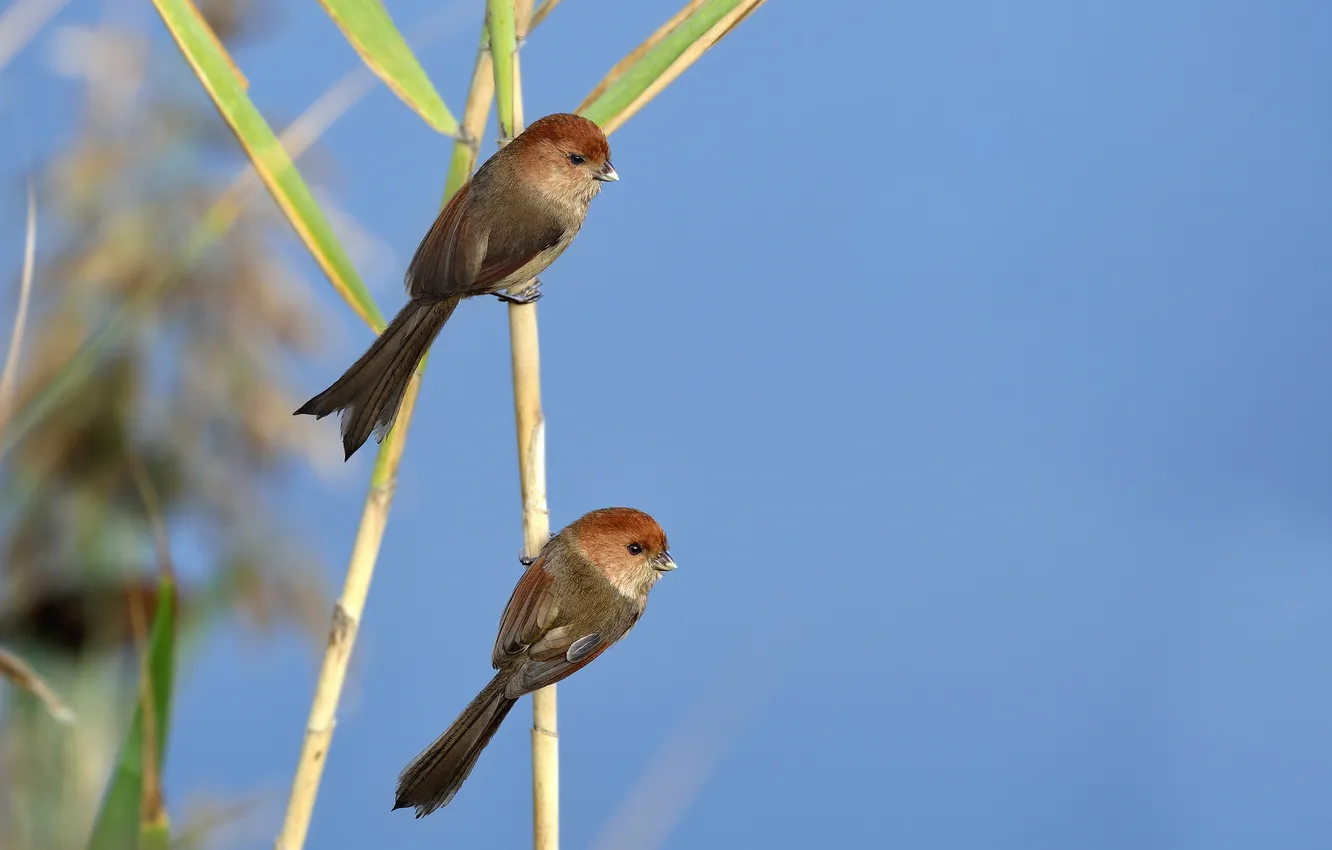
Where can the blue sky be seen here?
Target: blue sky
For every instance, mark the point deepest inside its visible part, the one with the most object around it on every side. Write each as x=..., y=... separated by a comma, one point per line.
x=974, y=357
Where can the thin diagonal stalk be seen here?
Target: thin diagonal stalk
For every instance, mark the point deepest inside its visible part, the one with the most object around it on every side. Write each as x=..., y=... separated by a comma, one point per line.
x=508, y=21
x=374, y=518
x=21, y=673
x=21, y=314
x=21, y=21
x=342, y=634
x=540, y=13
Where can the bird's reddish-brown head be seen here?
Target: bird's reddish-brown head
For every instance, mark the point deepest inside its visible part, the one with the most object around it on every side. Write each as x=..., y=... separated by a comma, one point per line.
x=567, y=155
x=626, y=544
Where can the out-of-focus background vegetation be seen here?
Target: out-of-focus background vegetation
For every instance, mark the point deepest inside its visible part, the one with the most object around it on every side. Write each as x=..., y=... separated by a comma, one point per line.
x=184, y=423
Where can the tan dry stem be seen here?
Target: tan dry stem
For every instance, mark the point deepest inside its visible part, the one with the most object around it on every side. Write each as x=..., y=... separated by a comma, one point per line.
x=541, y=13
x=477, y=109
x=342, y=633
x=525, y=352
x=365, y=552
x=21, y=673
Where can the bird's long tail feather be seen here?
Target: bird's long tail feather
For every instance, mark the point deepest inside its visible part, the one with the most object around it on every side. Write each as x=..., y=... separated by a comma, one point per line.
x=369, y=393
x=434, y=776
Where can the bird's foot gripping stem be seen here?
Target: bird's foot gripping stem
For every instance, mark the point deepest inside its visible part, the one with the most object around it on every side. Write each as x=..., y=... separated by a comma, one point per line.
x=530, y=295
x=527, y=560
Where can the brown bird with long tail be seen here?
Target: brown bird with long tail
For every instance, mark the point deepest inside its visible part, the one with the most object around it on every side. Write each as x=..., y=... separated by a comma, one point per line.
x=506, y=225
x=584, y=592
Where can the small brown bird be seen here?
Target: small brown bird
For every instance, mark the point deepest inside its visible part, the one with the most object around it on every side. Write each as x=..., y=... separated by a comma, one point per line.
x=518, y=213
x=584, y=592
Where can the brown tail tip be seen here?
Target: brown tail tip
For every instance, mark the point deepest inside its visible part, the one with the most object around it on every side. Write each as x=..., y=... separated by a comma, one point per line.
x=368, y=395
x=421, y=810
x=318, y=407
x=308, y=409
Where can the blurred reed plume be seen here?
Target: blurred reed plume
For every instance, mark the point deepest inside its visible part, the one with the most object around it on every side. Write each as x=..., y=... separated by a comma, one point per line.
x=189, y=403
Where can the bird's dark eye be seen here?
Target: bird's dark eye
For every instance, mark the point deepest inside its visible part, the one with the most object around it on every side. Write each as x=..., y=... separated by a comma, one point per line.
x=576, y=158
x=635, y=549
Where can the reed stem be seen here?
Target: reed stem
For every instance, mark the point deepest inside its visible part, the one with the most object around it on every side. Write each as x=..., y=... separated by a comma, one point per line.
x=508, y=22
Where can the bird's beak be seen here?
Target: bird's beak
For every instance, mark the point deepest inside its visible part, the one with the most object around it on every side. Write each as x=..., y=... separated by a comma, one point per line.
x=663, y=563
x=607, y=174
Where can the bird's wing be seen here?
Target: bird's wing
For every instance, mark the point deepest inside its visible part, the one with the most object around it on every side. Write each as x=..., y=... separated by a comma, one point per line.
x=531, y=612
x=556, y=655
x=444, y=260
x=454, y=259
x=531, y=627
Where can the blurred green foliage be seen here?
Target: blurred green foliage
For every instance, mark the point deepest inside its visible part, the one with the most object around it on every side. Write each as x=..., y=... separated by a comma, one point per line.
x=179, y=436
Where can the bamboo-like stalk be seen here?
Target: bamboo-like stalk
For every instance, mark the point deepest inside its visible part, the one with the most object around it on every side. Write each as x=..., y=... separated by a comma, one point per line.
x=508, y=22
x=374, y=517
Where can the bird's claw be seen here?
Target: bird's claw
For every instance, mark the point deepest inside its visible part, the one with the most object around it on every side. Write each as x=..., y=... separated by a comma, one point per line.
x=530, y=295
x=528, y=560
